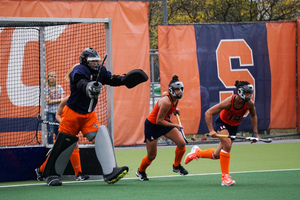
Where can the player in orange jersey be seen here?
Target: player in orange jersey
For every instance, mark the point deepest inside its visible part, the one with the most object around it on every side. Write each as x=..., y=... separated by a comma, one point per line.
x=231, y=112
x=158, y=123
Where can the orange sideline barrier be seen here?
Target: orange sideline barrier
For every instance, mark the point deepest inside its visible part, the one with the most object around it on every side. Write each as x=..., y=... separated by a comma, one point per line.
x=177, y=55
x=282, y=55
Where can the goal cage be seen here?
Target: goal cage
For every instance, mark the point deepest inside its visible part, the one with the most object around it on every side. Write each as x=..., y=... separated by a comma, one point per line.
x=31, y=48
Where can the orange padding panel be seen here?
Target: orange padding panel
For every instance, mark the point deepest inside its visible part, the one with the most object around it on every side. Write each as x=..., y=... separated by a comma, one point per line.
x=282, y=56
x=178, y=55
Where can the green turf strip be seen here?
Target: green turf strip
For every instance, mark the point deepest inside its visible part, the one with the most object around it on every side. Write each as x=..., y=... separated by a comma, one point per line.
x=250, y=185
x=257, y=185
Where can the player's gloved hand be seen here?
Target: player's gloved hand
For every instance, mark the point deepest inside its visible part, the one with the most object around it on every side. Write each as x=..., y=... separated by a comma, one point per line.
x=255, y=135
x=93, y=89
x=176, y=112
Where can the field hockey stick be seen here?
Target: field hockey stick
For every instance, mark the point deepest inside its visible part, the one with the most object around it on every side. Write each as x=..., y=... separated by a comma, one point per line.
x=181, y=129
x=40, y=120
x=96, y=83
x=254, y=139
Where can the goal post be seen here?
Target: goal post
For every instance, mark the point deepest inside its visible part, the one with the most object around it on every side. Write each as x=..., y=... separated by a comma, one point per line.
x=30, y=49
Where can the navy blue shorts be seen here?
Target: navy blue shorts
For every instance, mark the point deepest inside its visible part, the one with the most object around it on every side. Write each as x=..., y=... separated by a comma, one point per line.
x=154, y=131
x=220, y=125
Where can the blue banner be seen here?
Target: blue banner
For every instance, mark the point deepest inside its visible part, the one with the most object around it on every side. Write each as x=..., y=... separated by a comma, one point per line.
x=212, y=41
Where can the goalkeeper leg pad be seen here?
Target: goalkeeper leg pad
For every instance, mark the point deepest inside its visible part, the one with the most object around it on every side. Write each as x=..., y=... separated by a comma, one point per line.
x=104, y=150
x=59, y=156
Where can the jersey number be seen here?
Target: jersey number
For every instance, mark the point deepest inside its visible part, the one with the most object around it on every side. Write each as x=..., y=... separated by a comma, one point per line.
x=235, y=118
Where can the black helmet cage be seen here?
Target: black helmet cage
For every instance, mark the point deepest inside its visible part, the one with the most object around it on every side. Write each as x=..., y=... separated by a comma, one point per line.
x=245, y=89
x=88, y=55
x=174, y=86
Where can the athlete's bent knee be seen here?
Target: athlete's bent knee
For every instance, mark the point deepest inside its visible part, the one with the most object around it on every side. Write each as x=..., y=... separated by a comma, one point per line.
x=91, y=136
x=151, y=157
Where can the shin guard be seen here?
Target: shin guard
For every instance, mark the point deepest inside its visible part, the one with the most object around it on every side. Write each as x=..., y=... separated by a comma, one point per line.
x=105, y=151
x=60, y=155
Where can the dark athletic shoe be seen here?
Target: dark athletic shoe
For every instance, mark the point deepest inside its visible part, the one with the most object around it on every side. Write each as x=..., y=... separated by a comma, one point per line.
x=82, y=177
x=38, y=174
x=142, y=175
x=117, y=174
x=180, y=169
x=53, y=181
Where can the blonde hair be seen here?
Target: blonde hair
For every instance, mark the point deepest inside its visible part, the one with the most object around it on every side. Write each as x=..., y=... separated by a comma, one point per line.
x=67, y=76
x=47, y=83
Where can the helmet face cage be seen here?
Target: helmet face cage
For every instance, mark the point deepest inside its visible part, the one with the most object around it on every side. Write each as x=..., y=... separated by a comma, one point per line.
x=175, y=86
x=245, y=89
x=89, y=55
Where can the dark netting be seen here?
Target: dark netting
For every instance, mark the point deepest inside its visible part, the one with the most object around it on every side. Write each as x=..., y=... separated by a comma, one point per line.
x=30, y=24
x=21, y=80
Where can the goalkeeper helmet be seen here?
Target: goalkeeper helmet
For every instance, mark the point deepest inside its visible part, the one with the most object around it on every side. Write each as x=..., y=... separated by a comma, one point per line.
x=176, y=87
x=89, y=55
x=242, y=90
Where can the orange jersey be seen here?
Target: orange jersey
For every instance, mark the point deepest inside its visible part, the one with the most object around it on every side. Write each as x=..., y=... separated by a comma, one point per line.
x=153, y=115
x=233, y=116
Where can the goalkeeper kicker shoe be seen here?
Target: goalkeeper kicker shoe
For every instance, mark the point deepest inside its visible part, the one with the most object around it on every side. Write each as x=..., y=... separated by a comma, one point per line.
x=53, y=181
x=226, y=180
x=82, y=177
x=116, y=175
x=180, y=169
x=192, y=155
x=142, y=175
x=38, y=174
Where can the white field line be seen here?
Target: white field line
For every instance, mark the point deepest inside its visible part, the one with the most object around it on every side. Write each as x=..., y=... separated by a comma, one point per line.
x=169, y=176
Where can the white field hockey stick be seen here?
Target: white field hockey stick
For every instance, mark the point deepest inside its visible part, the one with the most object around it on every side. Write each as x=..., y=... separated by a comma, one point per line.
x=181, y=129
x=254, y=139
x=39, y=118
x=96, y=83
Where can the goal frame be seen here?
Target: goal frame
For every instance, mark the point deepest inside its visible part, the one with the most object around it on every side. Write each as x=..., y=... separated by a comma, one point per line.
x=44, y=22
